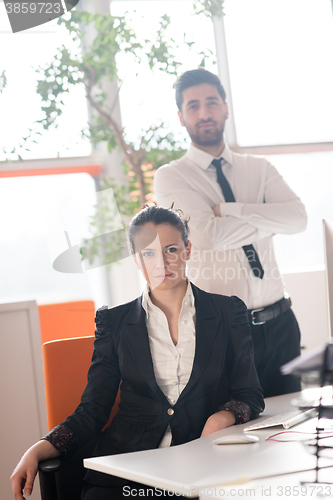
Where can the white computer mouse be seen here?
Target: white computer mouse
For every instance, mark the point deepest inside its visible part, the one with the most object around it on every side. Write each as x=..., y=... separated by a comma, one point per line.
x=236, y=439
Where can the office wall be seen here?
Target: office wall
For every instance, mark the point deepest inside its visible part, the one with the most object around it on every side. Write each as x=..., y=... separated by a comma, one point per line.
x=308, y=294
x=23, y=410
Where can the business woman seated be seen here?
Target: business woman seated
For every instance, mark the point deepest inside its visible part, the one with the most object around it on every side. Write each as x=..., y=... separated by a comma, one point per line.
x=184, y=358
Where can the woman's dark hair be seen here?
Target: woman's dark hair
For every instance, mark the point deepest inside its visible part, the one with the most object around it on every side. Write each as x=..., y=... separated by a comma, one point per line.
x=157, y=215
x=196, y=77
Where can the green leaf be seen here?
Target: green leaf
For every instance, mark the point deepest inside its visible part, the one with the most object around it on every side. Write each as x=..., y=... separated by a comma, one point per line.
x=3, y=81
x=210, y=8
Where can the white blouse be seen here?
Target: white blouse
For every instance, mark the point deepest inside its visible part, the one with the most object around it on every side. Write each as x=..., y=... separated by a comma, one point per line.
x=172, y=363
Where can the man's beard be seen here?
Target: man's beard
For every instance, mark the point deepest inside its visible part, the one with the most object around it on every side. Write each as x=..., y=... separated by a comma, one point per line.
x=210, y=137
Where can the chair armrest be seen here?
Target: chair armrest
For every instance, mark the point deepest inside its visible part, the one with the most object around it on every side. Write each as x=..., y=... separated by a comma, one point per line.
x=63, y=478
x=47, y=478
x=49, y=466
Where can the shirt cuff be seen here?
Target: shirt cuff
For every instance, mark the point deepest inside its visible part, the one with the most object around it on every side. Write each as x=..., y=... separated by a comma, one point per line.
x=63, y=439
x=233, y=208
x=241, y=410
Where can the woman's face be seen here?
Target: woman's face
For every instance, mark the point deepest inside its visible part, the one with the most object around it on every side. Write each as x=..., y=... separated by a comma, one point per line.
x=161, y=255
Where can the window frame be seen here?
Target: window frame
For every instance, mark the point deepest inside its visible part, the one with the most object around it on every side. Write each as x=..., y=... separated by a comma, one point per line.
x=230, y=130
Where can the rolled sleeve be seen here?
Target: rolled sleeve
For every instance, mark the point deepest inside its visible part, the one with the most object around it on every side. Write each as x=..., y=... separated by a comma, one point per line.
x=242, y=410
x=234, y=209
x=63, y=439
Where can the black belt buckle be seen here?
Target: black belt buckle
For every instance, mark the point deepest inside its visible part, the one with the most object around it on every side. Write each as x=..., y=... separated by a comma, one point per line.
x=253, y=321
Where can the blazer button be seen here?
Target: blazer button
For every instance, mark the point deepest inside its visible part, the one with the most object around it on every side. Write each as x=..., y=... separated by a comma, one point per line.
x=171, y=411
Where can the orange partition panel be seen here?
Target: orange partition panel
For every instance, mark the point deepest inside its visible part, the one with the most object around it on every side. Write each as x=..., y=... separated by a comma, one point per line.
x=67, y=320
x=66, y=364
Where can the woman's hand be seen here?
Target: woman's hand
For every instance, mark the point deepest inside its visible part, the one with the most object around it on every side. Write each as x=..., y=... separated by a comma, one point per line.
x=24, y=475
x=218, y=421
x=25, y=472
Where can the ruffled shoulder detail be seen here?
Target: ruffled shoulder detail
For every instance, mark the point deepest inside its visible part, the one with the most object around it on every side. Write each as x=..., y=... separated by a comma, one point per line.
x=239, y=310
x=102, y=321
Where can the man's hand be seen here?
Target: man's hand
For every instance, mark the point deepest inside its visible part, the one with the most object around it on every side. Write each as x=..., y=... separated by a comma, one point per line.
x=217, y=211
x=219, y=421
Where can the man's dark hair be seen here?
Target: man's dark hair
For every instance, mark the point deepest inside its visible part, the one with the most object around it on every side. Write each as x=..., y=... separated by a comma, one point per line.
x=196, y=77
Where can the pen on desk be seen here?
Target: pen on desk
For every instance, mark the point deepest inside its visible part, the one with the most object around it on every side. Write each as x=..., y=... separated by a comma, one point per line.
x=300, y=418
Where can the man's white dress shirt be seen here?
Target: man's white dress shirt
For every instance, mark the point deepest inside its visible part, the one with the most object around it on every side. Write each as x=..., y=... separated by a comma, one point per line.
x=172, y=363
x=265, y=205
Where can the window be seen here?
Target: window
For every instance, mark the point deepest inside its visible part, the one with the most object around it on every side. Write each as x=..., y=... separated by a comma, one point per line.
x=279, y=57
x=310, y=175
x=37, y=209
x=147, y=98
x=281, y=74
x=21, y=54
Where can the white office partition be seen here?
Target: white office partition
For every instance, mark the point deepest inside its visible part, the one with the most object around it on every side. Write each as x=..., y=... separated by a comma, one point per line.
x=309, y=302
x=23, y=410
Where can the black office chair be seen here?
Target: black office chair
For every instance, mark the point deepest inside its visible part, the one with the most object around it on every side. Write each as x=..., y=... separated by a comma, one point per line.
x=63, y=479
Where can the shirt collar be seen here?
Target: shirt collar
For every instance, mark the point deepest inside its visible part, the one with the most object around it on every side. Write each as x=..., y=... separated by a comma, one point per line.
x=203, y=159
x=147, y=303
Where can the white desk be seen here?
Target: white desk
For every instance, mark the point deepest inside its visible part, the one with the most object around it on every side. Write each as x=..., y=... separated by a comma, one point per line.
x=199, y=464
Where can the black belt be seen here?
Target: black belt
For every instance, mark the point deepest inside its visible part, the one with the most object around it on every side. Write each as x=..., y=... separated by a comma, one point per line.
x=260, y=316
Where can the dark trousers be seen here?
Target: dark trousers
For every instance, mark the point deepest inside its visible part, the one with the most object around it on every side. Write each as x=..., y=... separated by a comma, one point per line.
x=130, y=490
x=275, y=343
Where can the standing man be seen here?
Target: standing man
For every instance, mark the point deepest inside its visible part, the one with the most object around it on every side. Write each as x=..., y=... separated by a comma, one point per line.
x=235, y=203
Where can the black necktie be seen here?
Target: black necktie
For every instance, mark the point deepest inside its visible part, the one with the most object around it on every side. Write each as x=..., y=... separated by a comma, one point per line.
x=249, y=250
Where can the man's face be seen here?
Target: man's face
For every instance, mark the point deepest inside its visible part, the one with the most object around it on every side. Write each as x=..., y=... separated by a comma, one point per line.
x=204, y=114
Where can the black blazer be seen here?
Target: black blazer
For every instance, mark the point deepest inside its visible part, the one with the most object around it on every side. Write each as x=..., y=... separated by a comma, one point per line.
x=223, y=370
